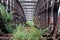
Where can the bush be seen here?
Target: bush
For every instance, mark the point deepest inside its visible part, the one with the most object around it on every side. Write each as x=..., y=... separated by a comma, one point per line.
x=30, y=23
x=27, y=33
x=7, y=18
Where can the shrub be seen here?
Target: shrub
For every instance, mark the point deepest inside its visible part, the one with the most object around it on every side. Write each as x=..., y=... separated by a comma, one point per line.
x=27, y=33
x=7, y=18
x=30, y=23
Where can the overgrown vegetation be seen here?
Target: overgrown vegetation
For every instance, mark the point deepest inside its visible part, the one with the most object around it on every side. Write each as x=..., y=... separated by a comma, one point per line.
x=7, y=18
x=30, y=23
x=27, y=33
x=20, y=32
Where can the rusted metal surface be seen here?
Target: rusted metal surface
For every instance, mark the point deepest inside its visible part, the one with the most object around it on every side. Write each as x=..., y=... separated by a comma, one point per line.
x=49, y=8
x=19, y=13
x=41, y=15
x=44, y=8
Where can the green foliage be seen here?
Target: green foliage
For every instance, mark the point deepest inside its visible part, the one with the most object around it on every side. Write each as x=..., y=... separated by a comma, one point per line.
x=10, y=27
x=30, y=23
x=7, y=18
x=5, y=15
x=27, y=33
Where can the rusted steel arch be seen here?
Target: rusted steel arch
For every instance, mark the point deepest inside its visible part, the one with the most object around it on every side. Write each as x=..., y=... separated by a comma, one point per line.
x=53, y=15
x=35, y=15
x=20, y=6
x=55, y=11
x=23, y=20
x=40, y=14
x=44, y=8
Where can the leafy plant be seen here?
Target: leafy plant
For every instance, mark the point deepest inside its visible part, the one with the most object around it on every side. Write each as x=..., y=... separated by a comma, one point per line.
x=7, y=18
x=27, y=33
x=30, y=23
